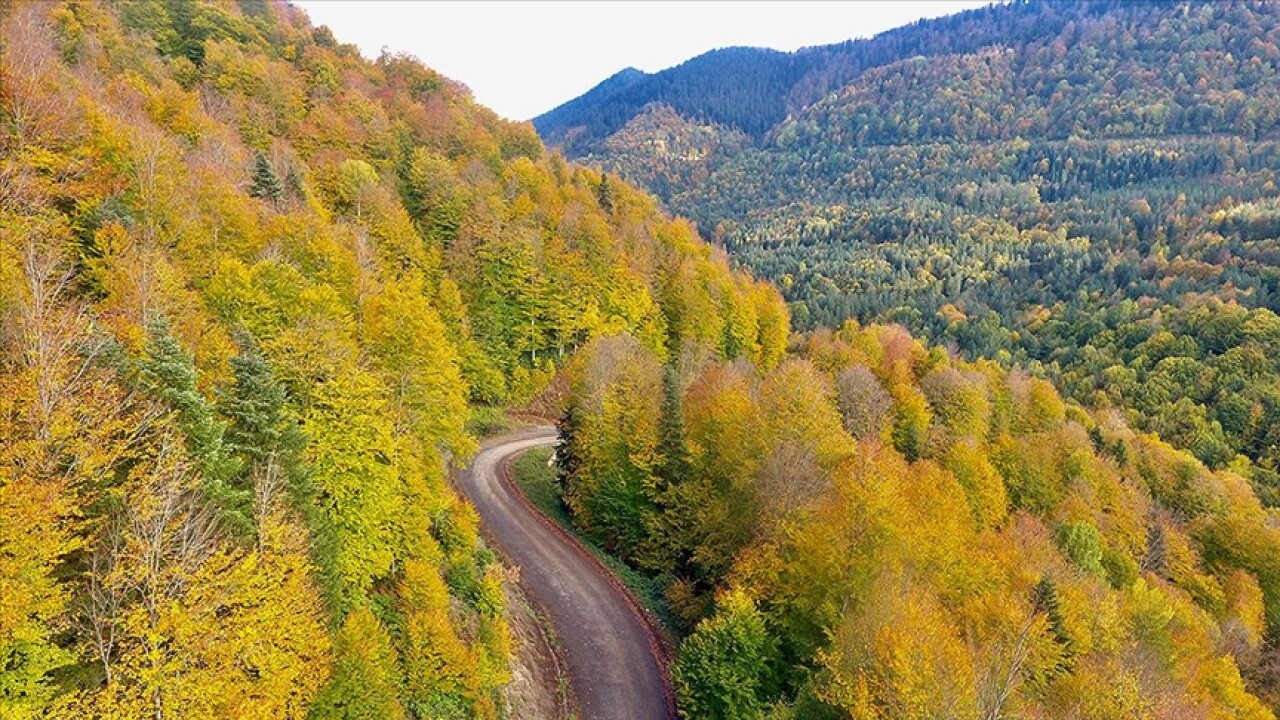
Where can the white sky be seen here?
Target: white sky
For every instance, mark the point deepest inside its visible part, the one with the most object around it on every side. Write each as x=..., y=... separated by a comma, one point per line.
x=524, y=58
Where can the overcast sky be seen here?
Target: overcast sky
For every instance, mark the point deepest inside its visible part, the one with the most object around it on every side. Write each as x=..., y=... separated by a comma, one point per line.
x=524, y=58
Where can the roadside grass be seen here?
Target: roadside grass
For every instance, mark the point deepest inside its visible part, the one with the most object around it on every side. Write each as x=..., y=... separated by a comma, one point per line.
x=536, y=478
x=485, y=421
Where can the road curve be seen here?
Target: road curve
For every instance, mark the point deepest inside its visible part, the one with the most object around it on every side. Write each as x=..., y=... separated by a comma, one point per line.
x=611, y=654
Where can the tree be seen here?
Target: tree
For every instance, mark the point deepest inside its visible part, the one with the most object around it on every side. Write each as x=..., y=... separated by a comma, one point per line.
x=440, y=672
x=673, y=468
x=1044, y=598
x=262, y=431
x=169, y=374
x=864, y=405
x=897, y=655
x=911, y=422
x=358, y=491
x=265, y=184
x=724, y=671
x=366, y=677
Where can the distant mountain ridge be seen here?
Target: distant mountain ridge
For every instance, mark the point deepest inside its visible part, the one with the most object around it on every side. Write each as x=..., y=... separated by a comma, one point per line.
x=753, y=89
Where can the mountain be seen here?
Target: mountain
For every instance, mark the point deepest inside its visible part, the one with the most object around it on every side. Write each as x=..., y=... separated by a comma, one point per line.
x=1087, y=189
x=257, y=295
x=753, y=89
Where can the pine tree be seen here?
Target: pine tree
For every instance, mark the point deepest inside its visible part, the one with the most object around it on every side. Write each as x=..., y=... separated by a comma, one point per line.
x=568, y=454
x=674, y=467
x=262, y=434
x=256, y=404
x=1045, y=598
x=265, y=183
x=604, y=194
x=169, y=374
x=293, y=182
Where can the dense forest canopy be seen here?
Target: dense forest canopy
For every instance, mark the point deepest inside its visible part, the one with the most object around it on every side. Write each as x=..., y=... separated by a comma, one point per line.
x=1087, y=189
x=872, y=529
x=249, y=284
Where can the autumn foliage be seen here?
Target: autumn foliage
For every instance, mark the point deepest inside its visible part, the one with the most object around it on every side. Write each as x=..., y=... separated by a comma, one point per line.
x=249, y=284
x=874, y=529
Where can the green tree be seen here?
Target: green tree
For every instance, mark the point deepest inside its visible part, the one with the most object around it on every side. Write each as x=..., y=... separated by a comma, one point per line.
x=265, y=183
x=673, y=468
x=263, y=432
x=366, y=677
x=724, y=669
x=168, y=372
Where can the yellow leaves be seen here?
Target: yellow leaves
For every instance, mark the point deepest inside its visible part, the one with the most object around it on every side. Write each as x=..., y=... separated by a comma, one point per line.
x=353, y=457
x=1222, y=682
x=35, y=535
x=774, y=325
x=898, y=656
x=407, y=336
x=366, y=676
x=252, y=628
x=1245, y=617
x=983, y=487
x=1102, y=689
x=1182, y=565
x=798, y=403
x=436, y=660
x=170, y=106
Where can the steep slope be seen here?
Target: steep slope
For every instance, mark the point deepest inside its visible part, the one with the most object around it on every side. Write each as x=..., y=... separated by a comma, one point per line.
x=249, y=283
x=1086, y=188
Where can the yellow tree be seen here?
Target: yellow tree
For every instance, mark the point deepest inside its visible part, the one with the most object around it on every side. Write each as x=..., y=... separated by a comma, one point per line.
x=65, y=423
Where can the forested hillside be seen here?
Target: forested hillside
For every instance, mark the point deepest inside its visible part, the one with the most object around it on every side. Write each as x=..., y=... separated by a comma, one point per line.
x=873, y=530
x=1087, y=189
x=249, y=285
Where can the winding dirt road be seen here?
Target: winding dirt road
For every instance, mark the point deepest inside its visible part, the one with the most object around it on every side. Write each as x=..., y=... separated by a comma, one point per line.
x=611, y=653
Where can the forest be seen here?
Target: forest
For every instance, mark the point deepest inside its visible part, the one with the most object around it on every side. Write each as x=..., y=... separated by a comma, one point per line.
x=259, y=297
x=1086, y=190
x=251, y=288
x=874, y=529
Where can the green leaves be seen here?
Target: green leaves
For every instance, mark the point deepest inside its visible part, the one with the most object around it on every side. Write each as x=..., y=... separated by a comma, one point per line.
x=169, y=374
x=725, y=667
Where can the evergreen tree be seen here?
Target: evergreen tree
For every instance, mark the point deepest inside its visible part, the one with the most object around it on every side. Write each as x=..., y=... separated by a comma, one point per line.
x=265, y=183
x=674, y=466
x=568, y=454
x=604, y=193
x=169, y=374
x=1045, y=598
x=261, y=431
x=293, y=182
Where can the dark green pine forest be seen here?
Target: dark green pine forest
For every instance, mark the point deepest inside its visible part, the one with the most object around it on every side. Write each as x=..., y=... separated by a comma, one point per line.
x=1084, y=189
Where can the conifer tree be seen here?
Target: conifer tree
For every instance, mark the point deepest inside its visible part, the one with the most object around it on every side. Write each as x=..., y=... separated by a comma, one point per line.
x=568, y=454
x=1045, y=598
x=674, y=466
x=604, y=194
x=169, y=374
x=265, y=183
x=261, y=432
